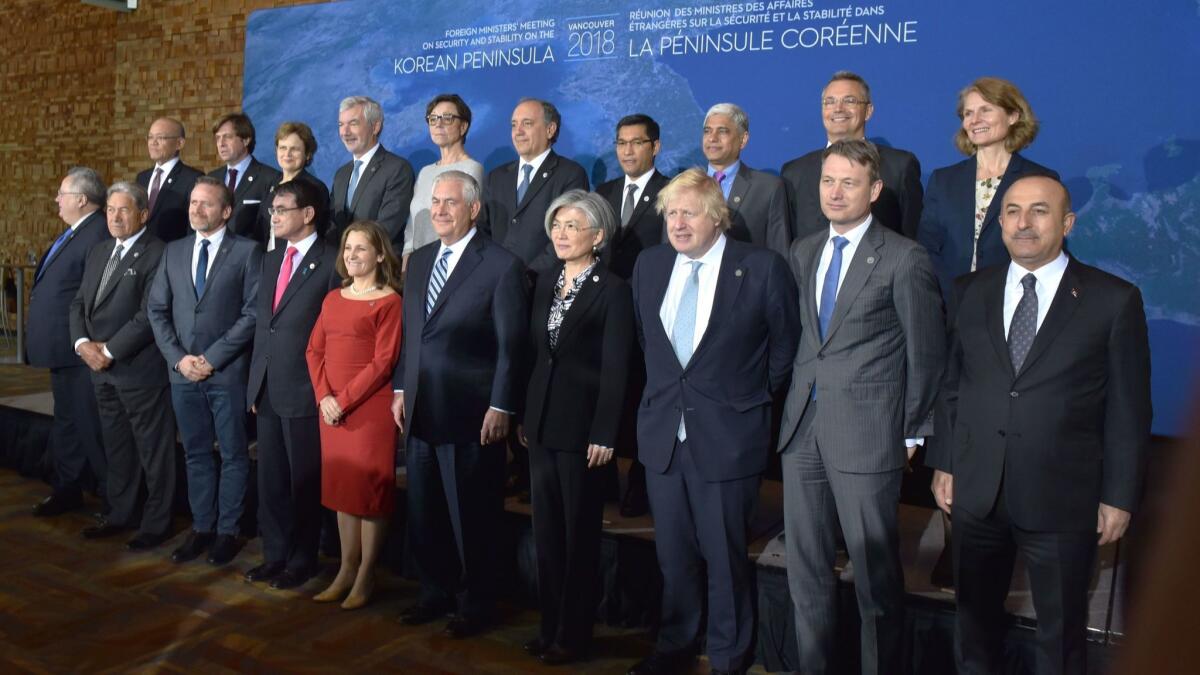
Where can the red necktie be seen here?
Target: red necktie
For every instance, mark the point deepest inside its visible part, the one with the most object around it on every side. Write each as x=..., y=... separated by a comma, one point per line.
x=155, y=186
x=285, y=275
x=232, y=180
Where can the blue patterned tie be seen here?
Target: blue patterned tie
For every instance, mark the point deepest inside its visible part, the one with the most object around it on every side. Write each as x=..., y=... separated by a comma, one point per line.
x=1023, y=328
x=58, y=243
x=829, y=288
x=437, y=280
x=353, y=183
x=524, y=186
x=201, y=268
x=683, y=333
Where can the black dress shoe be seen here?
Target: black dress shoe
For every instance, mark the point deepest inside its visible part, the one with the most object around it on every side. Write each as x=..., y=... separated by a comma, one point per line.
x=144, y=541
x=557, y=656
x=635, y=503
x=419, y=614
x=225, y=547
x=290, y=578
x=102, y=529
x=663, y=663
x=195, y=544
x=536, y=647
x=265, y=571
x=464, y=627
x=57, y=504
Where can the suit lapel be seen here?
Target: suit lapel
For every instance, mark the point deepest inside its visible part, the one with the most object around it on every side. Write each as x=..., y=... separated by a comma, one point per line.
x=538, y=179
x=993, y=316
x=588, y=292
x=48, y=261
x=1010, y=175
x=1066, y=299
x=127, y=261
x=246, y=181
x=468, y=260
x=648, y=198
x=309, y=265
x=737, y=192
x=652, y=325
x=215, y=266
x=861, y=266
x=729, y=283
x=808, y=285
x=368, y=173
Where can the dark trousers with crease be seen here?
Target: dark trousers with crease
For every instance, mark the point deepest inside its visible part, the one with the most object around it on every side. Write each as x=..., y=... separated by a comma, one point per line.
x=75, y=435
x=289, y=487
x=139, y=442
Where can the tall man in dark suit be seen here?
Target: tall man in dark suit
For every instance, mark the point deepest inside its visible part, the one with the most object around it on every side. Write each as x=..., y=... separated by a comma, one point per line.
x=634, y=198
x=169, y=183
x=1046, y=403
x=862, y=394
x=202, y=310
x=248, y=180
x=717, y=320
x=457, y=383
x=75, y=444
x=296, y=276
x=113, y=337
x=376, y=184
x=757, y=201
x=516, y=194
x=845, y=108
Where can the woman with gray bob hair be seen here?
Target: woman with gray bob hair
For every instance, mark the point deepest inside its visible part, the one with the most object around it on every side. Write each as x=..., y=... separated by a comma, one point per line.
x=595, y=209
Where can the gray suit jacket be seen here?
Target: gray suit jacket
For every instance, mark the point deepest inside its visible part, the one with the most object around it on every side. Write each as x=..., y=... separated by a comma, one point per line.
x=876, y=374
x=383, y=194
x=758, y=207
x=220, y=324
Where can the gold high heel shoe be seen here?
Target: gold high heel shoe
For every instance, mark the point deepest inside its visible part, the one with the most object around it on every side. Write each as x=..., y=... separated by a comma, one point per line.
x=334, y=592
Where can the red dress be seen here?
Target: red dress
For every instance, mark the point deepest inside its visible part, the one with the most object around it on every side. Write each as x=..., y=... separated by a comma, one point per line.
x=351, y=353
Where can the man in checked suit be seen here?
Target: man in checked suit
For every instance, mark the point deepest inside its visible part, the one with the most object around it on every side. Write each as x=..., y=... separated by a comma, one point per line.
x=717, y=320
x=248, y=180
x=75, y=444
x=201, y=308
x=169, y=183
x=113, y=337
x=296, y=276
x=1046, y=410
x=861, y=397
x=376, y=184
x=457, y=385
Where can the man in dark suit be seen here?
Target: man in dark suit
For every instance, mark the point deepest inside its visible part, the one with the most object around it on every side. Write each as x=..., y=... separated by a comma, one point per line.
x=516, y=194
x=457, y=385
x=202, y=310
x=1048, y=429
x=113, y=337
x=75, y=444
x=169, y=183
x=633, y=197
x=248, y=180
x=757, y=201
x=845, y=108
x=376, y=184
x=861, y=399
x=717, y=320
x=296, y=276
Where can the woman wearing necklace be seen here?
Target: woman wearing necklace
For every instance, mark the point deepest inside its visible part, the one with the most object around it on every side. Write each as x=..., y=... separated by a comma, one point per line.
x=582, y=334
x=295, y=147
x=351, y=352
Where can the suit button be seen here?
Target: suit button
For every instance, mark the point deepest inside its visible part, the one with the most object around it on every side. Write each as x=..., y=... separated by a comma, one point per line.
x=550, y=361
x=272, y=331
x=820, y=357
x=514, y=221
x=683, y=379
x=1000, y=433
x=1013, y=394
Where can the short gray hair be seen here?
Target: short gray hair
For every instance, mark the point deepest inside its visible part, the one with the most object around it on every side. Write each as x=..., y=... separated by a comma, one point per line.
x=596, y=209
x=133, y=190
x=733, y=111
x=87, y=182
x=470, y=187
x=371, y=109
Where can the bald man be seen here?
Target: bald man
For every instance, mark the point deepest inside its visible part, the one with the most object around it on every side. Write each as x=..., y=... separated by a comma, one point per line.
x=169, y=182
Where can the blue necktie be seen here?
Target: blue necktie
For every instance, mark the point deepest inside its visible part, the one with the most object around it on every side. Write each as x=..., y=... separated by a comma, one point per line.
x=58, y=243
x=353, y=183
x=829, y=289
x=524, y=186
x=437, y=280
x=201, y=268
x=683, y=333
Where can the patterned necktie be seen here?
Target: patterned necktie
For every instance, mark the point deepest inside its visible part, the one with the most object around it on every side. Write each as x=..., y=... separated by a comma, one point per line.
x=829, y=287
x=354, y=176
x=285, y=275
x=630, y=203
x=524, y=186
x=437, y=280
x=108, y=272
x=201, y=268
x=58, y=243
x=155, y=186
x=232, y=182
x=1024, y=323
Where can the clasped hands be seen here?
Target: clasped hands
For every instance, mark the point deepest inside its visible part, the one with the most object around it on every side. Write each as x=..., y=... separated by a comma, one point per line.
x=93, y=355
x=331, y=411
x=195, y=368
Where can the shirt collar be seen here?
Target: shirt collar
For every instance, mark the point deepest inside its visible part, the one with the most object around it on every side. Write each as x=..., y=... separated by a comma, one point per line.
x=241, y=166
x=459, y=245
x=729, y=171
x=640, y=181
x=167, y=166
x=76, y=224
x=367, y=156
x=856, y=234
x=301, y=246
x=536, y=163
x=128, y=243
x=214, y=239
x=1052, y=270
x=711, y=258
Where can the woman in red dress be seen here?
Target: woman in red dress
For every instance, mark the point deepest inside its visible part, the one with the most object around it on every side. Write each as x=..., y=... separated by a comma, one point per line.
x=351, y=352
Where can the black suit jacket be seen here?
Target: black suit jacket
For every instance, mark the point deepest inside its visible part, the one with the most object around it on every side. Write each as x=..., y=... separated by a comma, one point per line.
x=169, y=219
x=322, y=217
x=48, y=341
x=645, y=229
x=384, y=194
x=277, y=362
x=898, y=206
x=521, y=228
x=576, y=392
x=758, y=210
x=251, y=196
x=118, y=317
x=1067, y=432
x=466, y=355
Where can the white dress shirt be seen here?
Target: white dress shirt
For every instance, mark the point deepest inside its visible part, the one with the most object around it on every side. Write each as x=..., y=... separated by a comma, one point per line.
x=1049, y=276
x=166, y=167
x=366, y=160
x=640, y=182
x=709, y=269
x=853, y=236
x=241, y=167
x=214, y=243
x=125, y=245
x=536, y=163
x=301, y=247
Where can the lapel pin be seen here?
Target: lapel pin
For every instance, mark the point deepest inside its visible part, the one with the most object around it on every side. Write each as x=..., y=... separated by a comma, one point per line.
x=312, y=266
x=595, y=278
x=645, y=198
x=250, y=178
x=136, y=253
x=170, y=180
x=871, y=260
x=737, y=273
x=1074, y=293
x=737, y=200
x=545, y=174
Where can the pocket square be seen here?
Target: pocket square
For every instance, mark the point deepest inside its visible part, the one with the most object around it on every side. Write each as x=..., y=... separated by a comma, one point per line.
x=130, y=272
x=251, y=201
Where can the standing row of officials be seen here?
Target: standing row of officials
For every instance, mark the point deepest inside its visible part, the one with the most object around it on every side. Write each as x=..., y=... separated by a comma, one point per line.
x=1033, y=398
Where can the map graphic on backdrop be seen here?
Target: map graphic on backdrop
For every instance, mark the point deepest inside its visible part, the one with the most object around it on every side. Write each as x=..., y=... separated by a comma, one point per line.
x=1109, y=82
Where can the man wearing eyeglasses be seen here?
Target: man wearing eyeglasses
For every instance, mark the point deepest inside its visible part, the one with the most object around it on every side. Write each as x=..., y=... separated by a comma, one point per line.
x=375, y=184
x=169, y=183
x=845, y=108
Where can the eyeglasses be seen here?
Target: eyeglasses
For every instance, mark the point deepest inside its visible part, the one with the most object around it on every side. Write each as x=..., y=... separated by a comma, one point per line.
x=636, y=143
x=159, y=138
x=281, y=210
x=64, y=194
x=848, y=101
x=436, y=119
x=571, y=227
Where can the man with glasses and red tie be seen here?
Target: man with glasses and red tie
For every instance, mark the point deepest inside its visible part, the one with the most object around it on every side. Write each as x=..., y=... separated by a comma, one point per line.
x=169, y=183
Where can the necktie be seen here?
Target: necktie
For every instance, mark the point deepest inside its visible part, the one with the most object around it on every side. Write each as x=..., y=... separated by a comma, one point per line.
x=354, y=176
x=830, y=286
x=1024, y=323
x=720, y=178
x=201, y=268
x=154, y=187
x=684, y=331
x=437, y=280
x=285, y=275
x=58, y=243
x=521, y=189
x=232, y=181
x=108, y=272
x=630, y=203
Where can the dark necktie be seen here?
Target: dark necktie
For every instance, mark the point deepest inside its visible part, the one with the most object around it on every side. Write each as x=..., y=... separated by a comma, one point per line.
x=201, y=268
x=830, y=287
x=437, y=280
x=155, y=186
x=524, y=186
x=1024, y=323
x=630, y=203
x=232, y=182
x=58, y=243
x=108, y=272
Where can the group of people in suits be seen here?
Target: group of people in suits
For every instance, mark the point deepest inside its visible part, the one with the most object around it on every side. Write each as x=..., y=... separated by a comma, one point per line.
x=839, y=315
